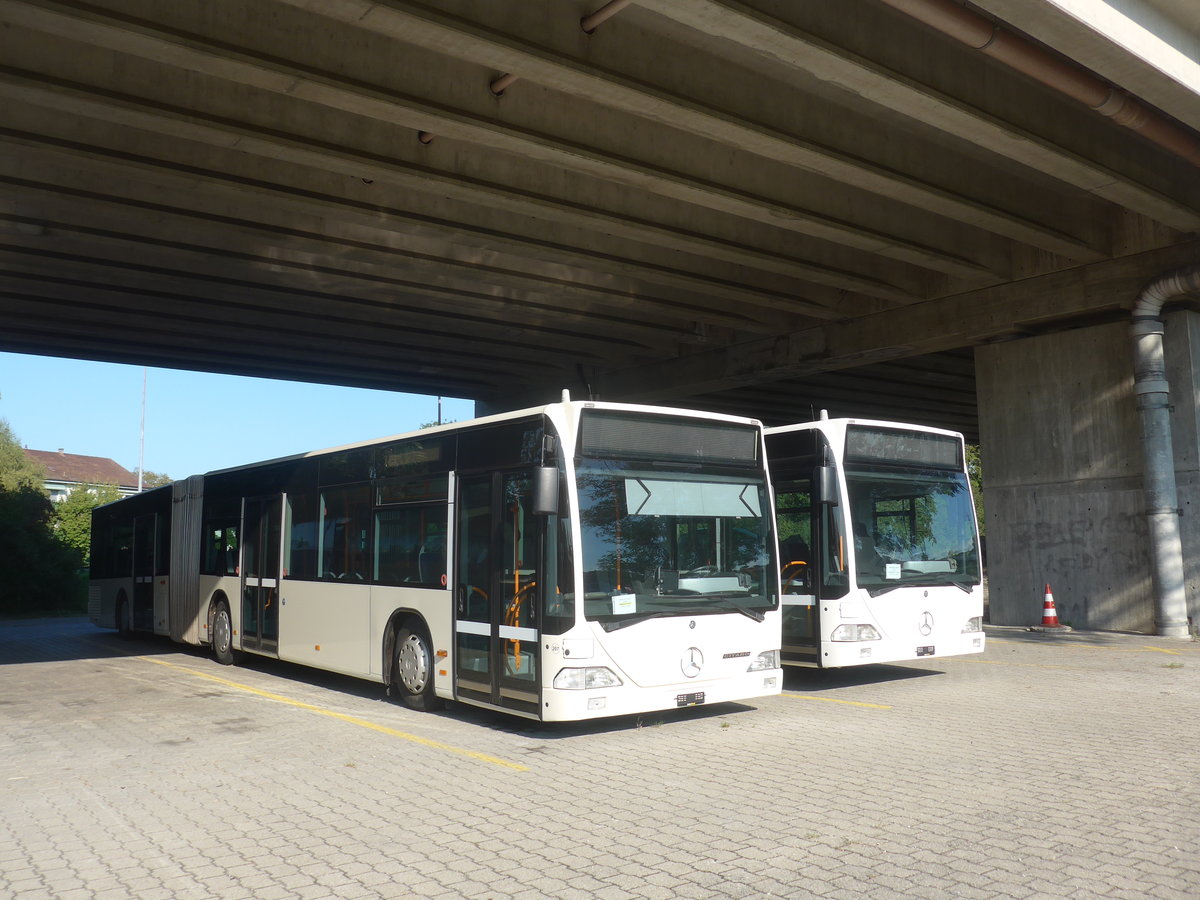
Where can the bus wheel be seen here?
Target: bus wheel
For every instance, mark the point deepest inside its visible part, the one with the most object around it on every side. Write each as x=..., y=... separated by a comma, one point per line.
x=123, y=629
x=412, y=671
x=222, y=636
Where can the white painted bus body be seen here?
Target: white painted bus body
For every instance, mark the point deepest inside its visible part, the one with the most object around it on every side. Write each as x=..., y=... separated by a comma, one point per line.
x=656, y=664
x=902, y=614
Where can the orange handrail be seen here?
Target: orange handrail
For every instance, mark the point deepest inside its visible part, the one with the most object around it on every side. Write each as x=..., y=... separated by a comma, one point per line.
x=801, y=568
x=512, y=618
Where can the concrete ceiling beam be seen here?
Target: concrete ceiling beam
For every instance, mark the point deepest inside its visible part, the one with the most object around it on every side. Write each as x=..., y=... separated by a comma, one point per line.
x=268, y=253
x=419, y=24
x=783, y=43
x=155, y=187
x=329, y=158
x=408, y=317
x=94, y=340
x=194, y=125
x=936, y=325
x=463, y=39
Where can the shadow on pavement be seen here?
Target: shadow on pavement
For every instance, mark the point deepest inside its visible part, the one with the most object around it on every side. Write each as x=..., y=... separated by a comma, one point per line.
x=796, y=679
x=475, y=715
x=63, y=639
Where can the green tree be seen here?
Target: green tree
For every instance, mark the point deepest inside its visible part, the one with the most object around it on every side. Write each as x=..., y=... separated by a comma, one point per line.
x=975, y=475
x=38, y=573
x=155, y=479
x=17, y=471
x=73, y=516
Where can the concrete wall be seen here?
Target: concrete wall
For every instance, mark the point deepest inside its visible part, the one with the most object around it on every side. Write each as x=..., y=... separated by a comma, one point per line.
x=1062, y=462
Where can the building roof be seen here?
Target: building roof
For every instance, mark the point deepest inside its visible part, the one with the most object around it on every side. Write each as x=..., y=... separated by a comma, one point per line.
x=73, y=468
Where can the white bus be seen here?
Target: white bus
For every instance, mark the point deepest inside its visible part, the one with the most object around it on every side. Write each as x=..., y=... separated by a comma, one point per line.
x=879, y=547
x=566, y=562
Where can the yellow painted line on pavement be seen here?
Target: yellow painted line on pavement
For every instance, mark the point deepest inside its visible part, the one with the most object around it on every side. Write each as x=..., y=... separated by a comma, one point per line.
x=353, y=720
x=1145, y=648
x=835, y=700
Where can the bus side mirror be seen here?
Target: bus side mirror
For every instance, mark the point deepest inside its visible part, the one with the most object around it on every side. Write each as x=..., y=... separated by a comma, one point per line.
x=825, y=481
x=545, y=491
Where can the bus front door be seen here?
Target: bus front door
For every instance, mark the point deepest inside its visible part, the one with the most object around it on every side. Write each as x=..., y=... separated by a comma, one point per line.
x=262, y=519
x=794, y=520
x=498, y=559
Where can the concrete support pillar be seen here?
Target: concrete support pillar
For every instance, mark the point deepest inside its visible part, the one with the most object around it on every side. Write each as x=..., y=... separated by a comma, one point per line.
x=1063, y=467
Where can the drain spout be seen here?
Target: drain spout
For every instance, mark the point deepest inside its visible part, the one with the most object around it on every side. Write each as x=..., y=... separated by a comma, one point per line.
x=1153, y=399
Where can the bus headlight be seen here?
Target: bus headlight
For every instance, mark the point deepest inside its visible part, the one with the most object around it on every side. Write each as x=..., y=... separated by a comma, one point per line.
x=584, y=678
x=975, y=624
x=768, y=659
x=855, y=633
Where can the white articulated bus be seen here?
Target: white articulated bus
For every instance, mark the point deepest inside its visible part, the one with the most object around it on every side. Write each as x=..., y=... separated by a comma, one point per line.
x=566, y=562
x=879, y=546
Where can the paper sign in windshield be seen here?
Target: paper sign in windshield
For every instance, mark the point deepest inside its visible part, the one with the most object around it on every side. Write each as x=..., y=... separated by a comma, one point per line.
x=626, y=603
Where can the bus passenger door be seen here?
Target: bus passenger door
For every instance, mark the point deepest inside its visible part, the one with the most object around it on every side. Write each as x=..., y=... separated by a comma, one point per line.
x=520, y=573
x=262, y=547
x=498, y=549
x=798, y=569
x=144, y=566
x=473, y=589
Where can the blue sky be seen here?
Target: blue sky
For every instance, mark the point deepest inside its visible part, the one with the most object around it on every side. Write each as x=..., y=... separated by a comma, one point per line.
x=195, y=422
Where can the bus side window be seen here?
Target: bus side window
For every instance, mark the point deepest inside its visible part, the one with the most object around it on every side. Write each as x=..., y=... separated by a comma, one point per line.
x=345, y=524
x=221, y=548
x=229, y=541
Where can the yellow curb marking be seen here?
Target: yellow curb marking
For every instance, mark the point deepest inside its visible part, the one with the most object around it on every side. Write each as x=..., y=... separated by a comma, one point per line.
x=834, y=700
x=1145, y=648
x=353, y=720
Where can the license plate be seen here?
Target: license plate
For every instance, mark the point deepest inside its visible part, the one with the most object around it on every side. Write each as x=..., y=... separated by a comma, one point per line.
x=689, y=699
x=924, y=651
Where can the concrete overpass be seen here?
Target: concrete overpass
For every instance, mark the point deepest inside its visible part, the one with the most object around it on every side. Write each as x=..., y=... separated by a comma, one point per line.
x=910, y=209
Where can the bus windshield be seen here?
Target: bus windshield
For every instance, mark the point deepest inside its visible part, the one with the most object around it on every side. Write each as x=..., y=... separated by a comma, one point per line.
x=658, y=542
x=912, y=526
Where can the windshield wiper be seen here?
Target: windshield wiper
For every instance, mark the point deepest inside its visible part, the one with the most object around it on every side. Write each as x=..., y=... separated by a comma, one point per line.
x=626, y=621
x=877, y=590
x=756, y=614
x=729, y=603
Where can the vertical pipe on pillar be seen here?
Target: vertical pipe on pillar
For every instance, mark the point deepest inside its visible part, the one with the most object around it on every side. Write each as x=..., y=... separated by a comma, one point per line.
x=1153, y=395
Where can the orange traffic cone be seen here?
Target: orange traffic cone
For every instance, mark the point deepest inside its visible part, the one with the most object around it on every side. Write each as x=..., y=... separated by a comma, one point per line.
x=1049, y=617
x=1049, y=613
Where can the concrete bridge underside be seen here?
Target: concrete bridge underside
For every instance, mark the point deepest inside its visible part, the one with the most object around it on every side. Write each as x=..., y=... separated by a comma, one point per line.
x=762, y=207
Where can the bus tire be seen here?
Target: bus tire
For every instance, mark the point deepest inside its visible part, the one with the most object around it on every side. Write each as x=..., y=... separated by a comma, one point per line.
x=222, y=635
x=124, y=630
x=412, y=670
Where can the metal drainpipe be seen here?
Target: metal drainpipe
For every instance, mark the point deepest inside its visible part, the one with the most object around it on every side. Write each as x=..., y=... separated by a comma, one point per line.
x=989, y=38
x=1153, y=392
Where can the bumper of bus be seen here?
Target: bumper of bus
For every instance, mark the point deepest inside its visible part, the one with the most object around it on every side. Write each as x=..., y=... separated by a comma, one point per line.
x=621, y=700
x=836, y=654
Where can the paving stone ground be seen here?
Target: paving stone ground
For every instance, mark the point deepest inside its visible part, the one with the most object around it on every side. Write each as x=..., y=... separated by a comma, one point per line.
x=1051, y=766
